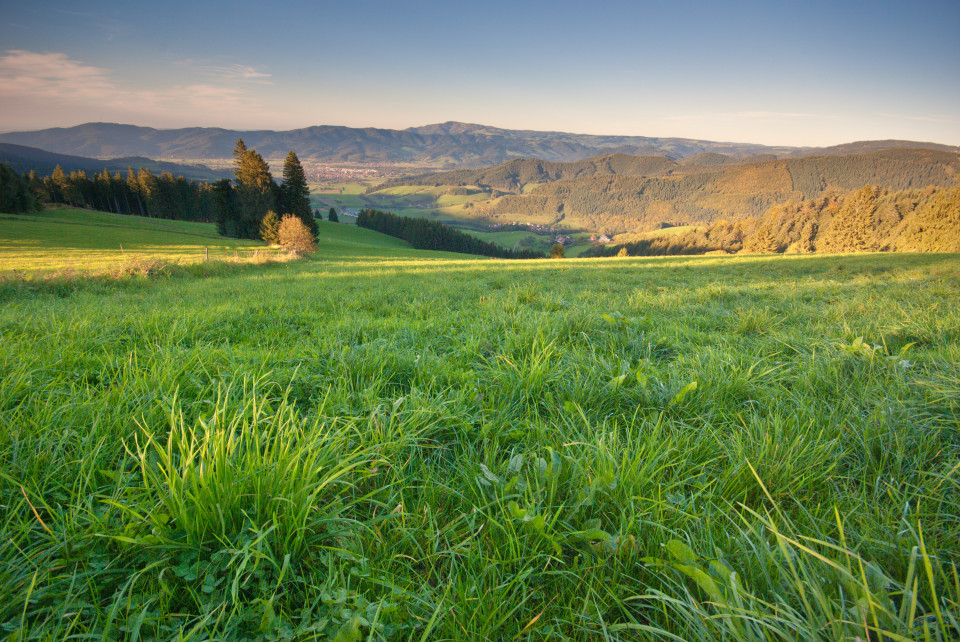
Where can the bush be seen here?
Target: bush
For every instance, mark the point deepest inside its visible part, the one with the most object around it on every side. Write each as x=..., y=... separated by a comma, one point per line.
x=557, y=251
x=295, y=236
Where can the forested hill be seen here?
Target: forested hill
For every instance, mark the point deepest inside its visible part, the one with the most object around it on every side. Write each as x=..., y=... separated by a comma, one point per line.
x=24, y=159
x=870, y=219
x=514, y=176
x=456, y=144
x=697, y=193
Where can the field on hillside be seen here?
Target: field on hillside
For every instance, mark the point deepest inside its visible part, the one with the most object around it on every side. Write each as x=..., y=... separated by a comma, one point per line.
x=83, y=240
x=434, y=203
x=380, y=443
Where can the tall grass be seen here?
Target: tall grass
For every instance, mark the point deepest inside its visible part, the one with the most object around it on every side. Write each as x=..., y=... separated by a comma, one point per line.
x=378, y=445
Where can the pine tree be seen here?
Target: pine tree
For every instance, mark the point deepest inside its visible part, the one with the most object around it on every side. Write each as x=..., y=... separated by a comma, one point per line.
x=226, y=211
x=269, y=228
x=332, y=216
x=58, y=185
x=15, y=193
x=256, y=192
x=239, y=155
x=295, y=193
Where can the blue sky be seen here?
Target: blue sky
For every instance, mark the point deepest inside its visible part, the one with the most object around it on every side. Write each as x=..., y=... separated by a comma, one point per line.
x=790, y=73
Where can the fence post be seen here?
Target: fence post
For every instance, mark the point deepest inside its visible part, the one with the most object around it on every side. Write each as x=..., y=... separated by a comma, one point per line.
x=206, y=254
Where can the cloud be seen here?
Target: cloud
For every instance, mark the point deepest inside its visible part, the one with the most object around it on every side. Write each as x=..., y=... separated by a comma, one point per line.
x=50, y=76
x=236, y=72
x=743, y=115
x=923, y=119
x=230, y=72
x=32, y=83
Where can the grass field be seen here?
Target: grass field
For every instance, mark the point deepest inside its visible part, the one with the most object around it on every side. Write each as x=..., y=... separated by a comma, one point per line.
x=380, y=443
x=86, y=241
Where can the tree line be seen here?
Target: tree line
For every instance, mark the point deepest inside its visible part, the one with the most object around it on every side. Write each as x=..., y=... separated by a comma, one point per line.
x=237, y=207
x=432, y=235
x=870, y=219
x=140, y=193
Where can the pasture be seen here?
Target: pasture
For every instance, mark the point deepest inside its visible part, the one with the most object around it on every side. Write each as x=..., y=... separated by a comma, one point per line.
x=84, y=241
x=380, y=443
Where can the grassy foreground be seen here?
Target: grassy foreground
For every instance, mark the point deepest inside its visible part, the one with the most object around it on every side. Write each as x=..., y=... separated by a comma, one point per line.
x=388, y=444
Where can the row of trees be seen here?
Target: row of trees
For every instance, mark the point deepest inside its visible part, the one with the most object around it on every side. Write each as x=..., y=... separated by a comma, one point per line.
x=238, y=208
x=432, y=235
x=141, y=193
x=869, y=219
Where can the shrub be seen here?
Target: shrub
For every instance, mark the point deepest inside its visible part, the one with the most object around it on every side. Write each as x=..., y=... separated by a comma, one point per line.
x=295, y=236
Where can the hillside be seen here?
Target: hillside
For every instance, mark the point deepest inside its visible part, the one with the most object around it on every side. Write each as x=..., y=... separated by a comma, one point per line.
x=870, y=219
x=84, y=241
x=24, y=159
x=615, y=194
x=388, y=444
x=514, y=176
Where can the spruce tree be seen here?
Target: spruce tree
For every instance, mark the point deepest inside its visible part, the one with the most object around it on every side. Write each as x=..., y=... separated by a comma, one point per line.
x=225, y=208
x=256, y=192
x=269, y=227
x=295, y=193
x=239, y=154
x=58, y=185
x=332, y=216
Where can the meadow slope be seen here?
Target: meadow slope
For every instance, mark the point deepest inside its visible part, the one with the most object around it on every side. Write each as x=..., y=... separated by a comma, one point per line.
x=380, y=443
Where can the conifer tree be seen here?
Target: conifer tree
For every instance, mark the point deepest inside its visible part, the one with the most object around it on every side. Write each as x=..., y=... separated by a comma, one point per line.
x=256, y=192
x=226, y=211
x=15, y=193
x=269, y=227
x=239, y=154
x=58, y=184
x=295, y=194
x=332, y=216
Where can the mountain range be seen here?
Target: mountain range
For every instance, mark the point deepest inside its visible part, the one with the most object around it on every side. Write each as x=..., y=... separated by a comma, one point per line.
x=450, y=144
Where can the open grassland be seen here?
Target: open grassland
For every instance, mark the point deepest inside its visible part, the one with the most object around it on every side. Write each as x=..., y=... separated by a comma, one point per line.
x=85, y=241
x=381, y=443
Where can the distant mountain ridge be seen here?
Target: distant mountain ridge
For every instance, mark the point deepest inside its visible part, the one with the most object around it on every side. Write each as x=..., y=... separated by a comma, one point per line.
x=451, y=143
x=24, y=159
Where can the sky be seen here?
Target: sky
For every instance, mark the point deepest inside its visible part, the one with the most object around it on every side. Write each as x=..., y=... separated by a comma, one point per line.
x=799, y=73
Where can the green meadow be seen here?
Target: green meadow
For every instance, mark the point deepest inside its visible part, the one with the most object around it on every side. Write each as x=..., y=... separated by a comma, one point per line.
x=79, y=240
x=378, y=443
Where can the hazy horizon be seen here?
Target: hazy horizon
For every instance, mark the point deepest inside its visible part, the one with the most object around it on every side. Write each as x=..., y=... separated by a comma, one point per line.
x=809, y=75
